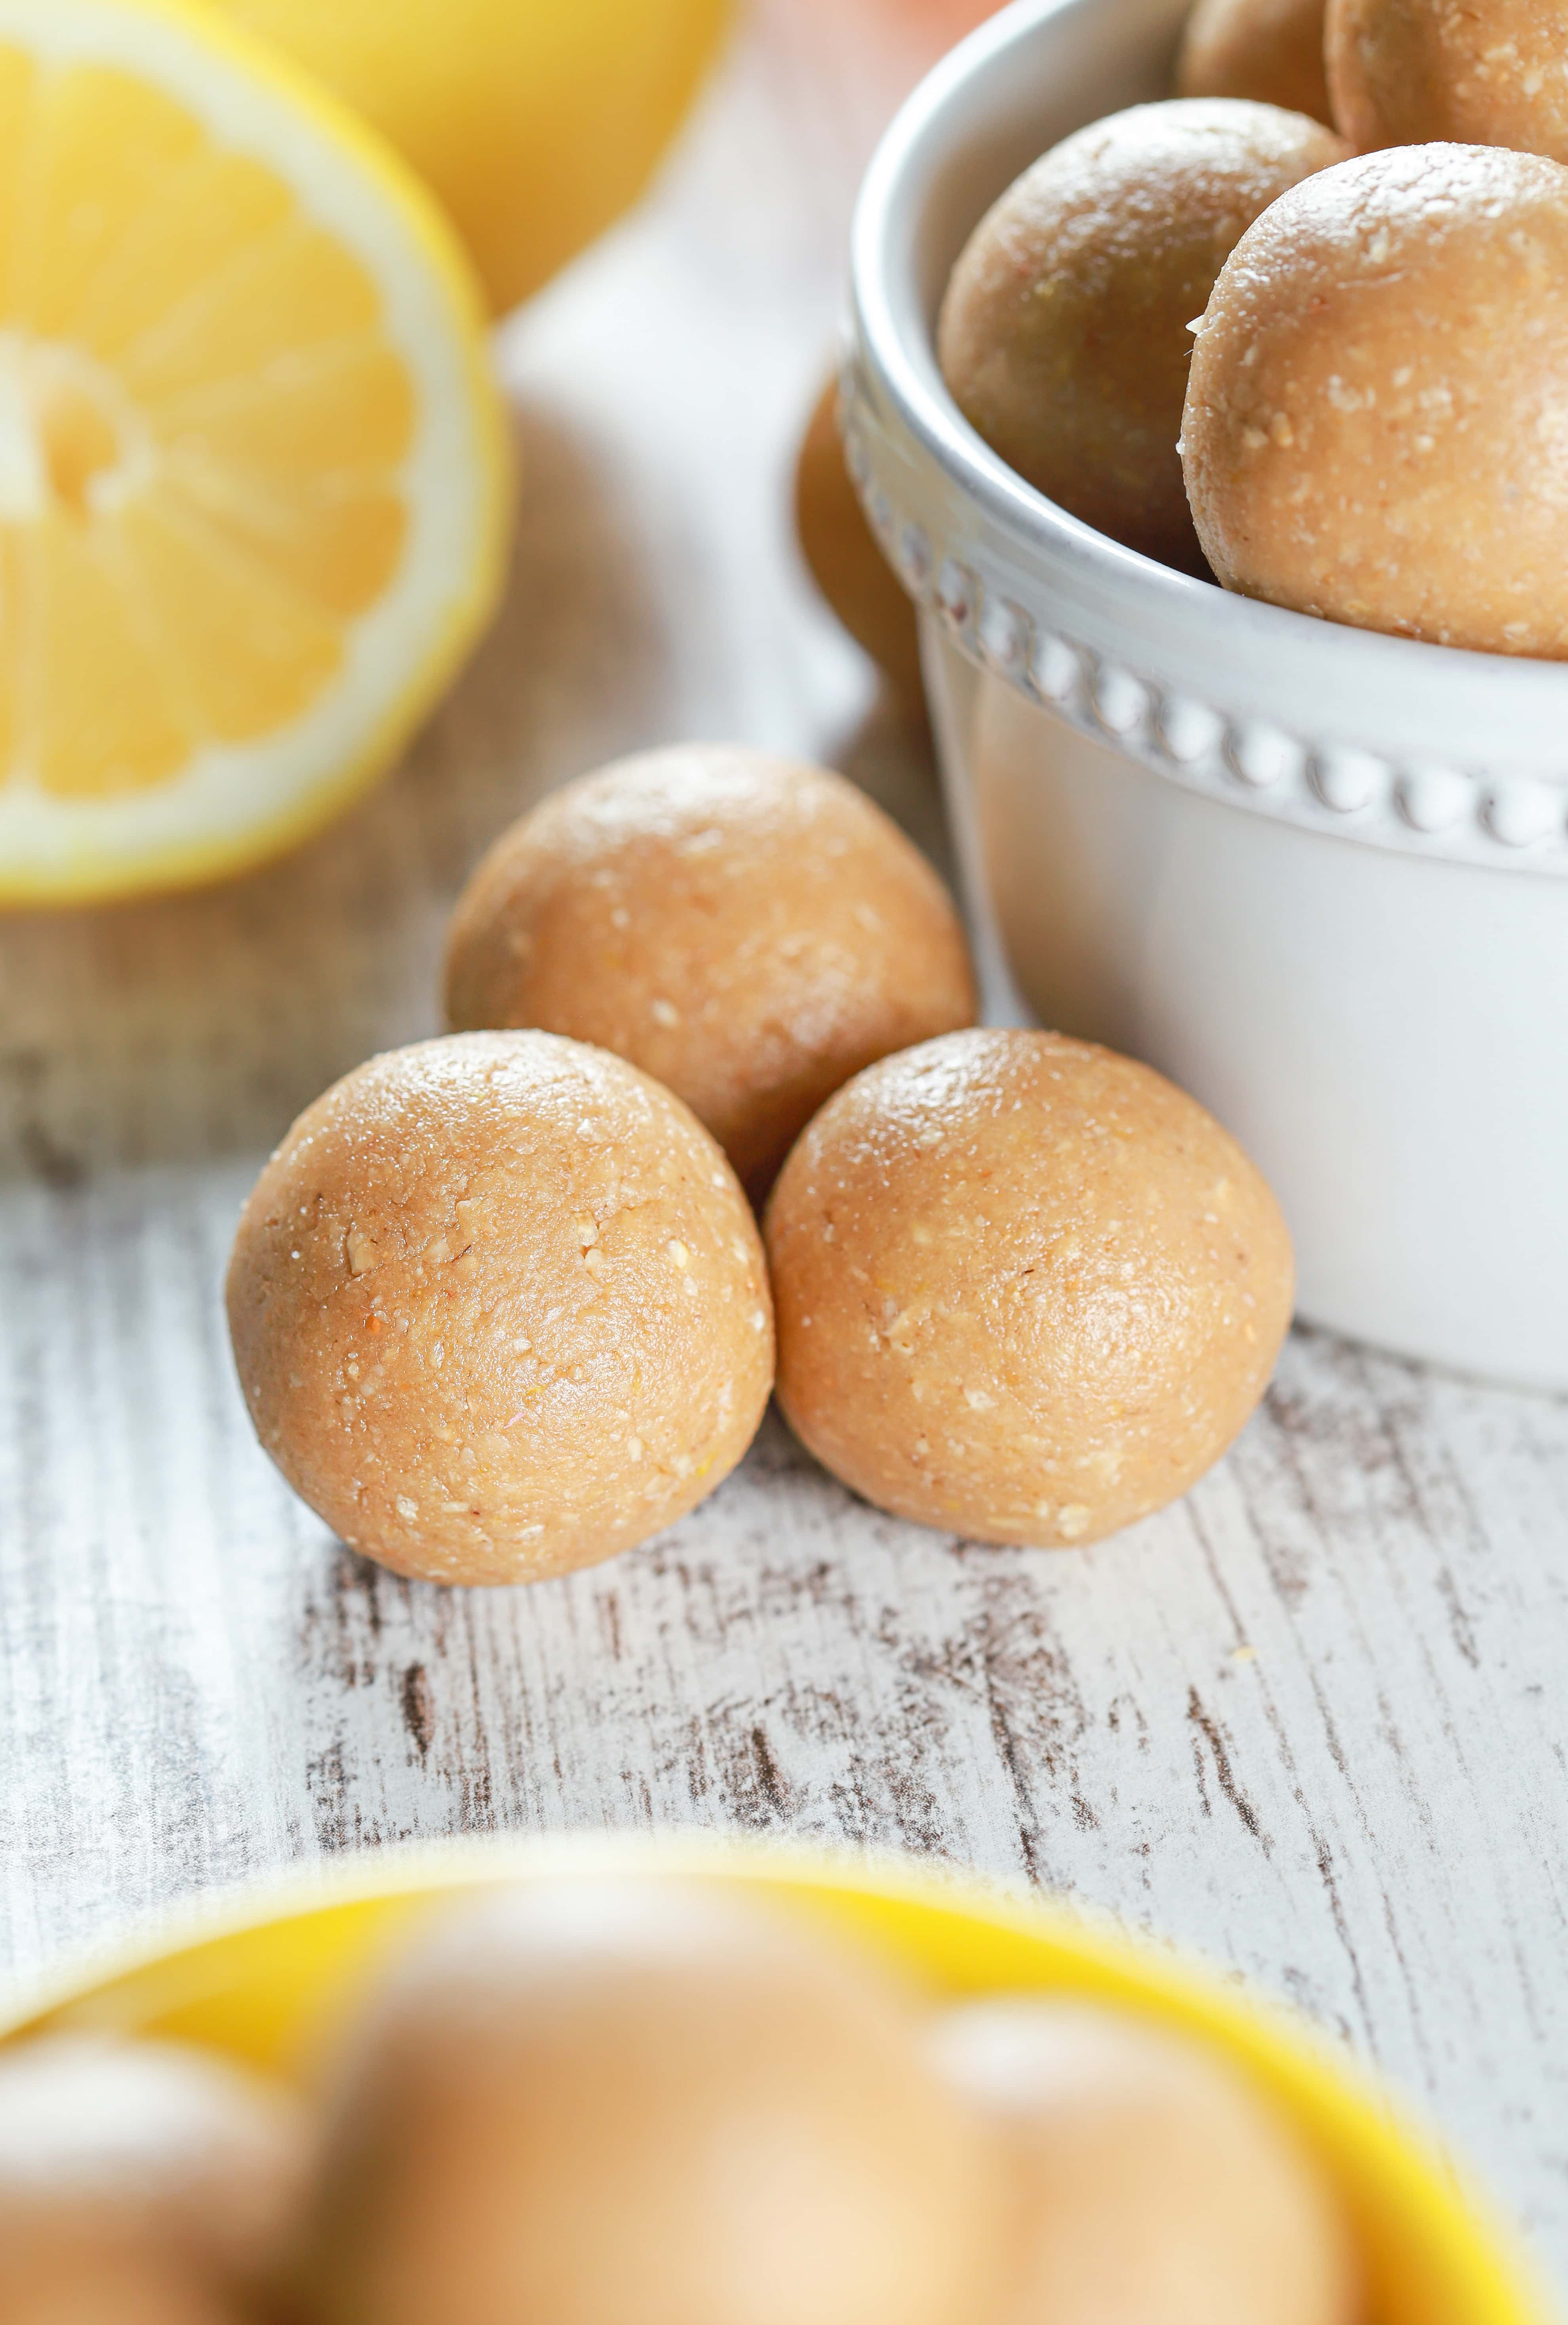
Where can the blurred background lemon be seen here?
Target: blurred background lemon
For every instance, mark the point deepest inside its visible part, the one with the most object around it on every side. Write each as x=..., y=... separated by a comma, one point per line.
x=536, y=122
x=254, y=471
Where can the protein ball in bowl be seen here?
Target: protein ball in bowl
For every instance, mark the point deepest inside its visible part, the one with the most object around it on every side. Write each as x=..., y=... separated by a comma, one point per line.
x=91, y=2281
x=1411, y=72
x=750, y=930
x=1270, y=51
x=1150, y=2184
x=1378, y=390
x=1026, y=1291
x=1064, y=333
x=500, y=1308
x=587, y=2101
x=140, y=2181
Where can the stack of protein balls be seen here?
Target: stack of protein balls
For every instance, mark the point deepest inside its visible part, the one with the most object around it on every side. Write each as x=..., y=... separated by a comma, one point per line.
x=1329, y=365
x=500, y=1304
x=656, y=2101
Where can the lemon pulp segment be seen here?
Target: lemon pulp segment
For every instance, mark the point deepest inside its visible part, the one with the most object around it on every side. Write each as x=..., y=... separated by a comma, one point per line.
x=251, y=465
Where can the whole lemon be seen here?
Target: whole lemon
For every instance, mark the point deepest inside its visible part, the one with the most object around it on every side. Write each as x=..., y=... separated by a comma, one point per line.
x=536, y=122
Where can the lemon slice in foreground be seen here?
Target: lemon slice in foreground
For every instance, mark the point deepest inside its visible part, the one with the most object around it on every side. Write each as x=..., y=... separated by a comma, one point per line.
x=253, y=470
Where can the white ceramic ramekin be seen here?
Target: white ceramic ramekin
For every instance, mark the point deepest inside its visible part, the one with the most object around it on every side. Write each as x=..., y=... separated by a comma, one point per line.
x=1318, y=876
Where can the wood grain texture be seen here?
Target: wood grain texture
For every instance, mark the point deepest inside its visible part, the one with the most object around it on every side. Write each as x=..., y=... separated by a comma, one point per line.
x=1312, y=1722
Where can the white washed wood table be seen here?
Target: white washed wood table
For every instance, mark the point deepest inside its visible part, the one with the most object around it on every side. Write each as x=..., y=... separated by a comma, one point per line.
x=1313, y=1722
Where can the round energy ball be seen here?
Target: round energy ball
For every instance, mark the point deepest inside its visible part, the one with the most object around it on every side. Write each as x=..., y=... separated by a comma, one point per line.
x=140, y=2174
x=1063, y=332
x=1150, y=2185
x=91, y=2280
x=1026, y=1291
x=749, y=931
x=594, y=2100
x=500, y=1308
x=845, y=560
x=1377, y=394
x=1270, y=51
x=1414, y=72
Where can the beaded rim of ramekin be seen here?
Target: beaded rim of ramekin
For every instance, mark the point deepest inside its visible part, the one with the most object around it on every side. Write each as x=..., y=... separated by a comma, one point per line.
x=1422, y=749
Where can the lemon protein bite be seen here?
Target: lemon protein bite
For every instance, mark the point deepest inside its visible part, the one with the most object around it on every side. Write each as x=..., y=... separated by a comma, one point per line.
x=1064, y=335
x=1270, y=51
x=1149, y=2184
x=140, y=2181
x=498, y=1307
x=750, y=930
x=1416, y=72
x=593, y=2100
x=1377, y=396
x=845, y=562
x=109, y=2281
x=1026, y=1291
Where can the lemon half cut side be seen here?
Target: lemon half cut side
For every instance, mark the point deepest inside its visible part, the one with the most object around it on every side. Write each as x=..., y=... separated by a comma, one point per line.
x=254, y=474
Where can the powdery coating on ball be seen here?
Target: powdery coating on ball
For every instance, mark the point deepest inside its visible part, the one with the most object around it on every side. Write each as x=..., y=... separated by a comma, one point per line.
x=1026, y=1291
x=1152, y=2185
x=127, y=2160
x=1412, y=72
x=500, y=1308
x=1063, y=332
x=842, y=550
x=749, y=931
x=646, y=2101
x=1270, y=51
x=1377, y=421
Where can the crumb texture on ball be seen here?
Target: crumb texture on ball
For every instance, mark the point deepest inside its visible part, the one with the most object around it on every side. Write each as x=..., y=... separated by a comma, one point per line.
x=1027, y=1290
x=645, y=2100
x=1150, y=2184
x=843, y=555
x=498, y=1307
x=1269, y=51
x=749, y=931
x=1064, y=335
x=1376, y=421
x=1418, y=72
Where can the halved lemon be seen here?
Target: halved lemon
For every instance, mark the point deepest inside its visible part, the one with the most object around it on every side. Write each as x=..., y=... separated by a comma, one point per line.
x=253, y=470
